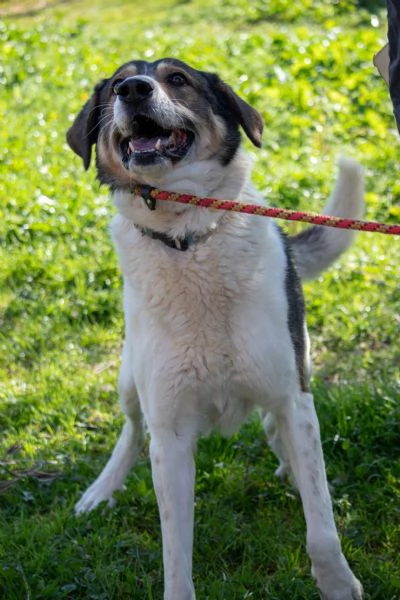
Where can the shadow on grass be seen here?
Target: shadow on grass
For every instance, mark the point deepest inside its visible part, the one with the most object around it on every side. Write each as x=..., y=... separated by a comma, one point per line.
x=372, y=5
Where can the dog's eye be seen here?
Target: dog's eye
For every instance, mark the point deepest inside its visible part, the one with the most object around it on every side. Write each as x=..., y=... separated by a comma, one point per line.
x=115, y=85
x=177, y=79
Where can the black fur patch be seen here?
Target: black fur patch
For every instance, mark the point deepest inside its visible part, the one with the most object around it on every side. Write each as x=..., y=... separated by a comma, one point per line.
x=223, y=108
x=296, y=315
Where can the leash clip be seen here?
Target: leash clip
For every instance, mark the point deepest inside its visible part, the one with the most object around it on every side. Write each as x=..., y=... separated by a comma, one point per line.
x=145, y=192
x=150, y=202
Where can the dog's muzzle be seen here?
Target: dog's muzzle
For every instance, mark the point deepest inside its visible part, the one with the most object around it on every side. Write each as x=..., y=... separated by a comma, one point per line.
x=150, y=141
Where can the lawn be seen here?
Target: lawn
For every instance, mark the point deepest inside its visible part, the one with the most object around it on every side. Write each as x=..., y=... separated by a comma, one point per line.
x=307, y=67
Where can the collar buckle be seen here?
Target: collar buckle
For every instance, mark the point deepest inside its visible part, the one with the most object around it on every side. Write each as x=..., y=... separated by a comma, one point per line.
x=181, y=244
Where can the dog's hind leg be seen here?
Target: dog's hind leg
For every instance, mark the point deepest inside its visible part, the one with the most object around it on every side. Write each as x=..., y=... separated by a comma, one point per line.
x=299, y=431
x=272, y=431
x=126, y=450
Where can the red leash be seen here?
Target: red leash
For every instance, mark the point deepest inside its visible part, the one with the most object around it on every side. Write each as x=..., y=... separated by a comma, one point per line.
x=150, y=195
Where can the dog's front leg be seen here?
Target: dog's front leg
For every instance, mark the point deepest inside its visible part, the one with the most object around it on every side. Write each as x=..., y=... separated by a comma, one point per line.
x=299, y=429
x=127, y=448
x=173, y=469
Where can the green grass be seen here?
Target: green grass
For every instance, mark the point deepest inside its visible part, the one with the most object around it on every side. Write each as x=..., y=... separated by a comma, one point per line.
x=307, y=68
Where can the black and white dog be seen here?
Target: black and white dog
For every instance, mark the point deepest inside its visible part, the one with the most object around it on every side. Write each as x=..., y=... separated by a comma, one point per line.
x=213, y=302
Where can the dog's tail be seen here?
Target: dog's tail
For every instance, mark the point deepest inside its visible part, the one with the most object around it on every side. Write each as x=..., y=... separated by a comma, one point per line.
x=317, y=247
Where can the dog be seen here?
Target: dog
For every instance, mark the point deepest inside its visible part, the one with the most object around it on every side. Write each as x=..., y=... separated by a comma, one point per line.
x=214, y=311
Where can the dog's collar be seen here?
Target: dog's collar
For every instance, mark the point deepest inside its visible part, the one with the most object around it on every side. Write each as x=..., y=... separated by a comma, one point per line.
x=181, y=244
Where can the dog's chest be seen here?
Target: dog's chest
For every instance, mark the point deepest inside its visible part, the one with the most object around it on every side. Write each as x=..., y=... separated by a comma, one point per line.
x=198, y=323
x=186, y=299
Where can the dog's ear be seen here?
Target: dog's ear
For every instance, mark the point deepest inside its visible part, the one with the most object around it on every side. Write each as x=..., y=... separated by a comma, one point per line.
x=247, y=116
x=84, y=130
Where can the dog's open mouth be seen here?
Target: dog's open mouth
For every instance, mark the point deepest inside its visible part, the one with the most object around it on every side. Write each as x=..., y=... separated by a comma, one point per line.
x=149, y=142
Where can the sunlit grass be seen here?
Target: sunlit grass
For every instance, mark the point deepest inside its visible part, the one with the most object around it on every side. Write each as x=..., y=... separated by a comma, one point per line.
x=308, y=69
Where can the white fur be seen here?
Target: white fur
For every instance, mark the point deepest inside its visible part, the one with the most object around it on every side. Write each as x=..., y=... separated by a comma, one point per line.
x=207, y=341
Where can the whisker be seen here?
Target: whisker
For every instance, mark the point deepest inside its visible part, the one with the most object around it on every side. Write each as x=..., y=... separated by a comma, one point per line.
x=101, y=122
x=101, y=106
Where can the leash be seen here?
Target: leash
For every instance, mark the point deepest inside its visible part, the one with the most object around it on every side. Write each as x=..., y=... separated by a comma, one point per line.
x=151, y=195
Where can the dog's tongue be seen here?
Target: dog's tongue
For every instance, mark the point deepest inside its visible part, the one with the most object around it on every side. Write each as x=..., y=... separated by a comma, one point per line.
x=158, y=143
x=146, y=144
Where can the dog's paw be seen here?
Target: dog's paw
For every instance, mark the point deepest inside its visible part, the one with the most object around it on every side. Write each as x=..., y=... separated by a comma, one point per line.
x=285, y=473
x=339, y=585
x=354, y=592
x=98, y=492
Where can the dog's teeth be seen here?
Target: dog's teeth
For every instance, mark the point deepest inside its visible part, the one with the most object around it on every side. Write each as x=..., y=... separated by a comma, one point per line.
x=172, y=140
x=158, y=144
x=131, y=146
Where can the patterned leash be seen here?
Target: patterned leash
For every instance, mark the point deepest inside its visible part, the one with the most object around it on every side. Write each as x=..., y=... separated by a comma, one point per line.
x=151, y=195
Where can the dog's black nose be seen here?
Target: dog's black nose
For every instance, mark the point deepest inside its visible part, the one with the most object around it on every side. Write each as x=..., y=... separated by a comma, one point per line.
x=135, y=89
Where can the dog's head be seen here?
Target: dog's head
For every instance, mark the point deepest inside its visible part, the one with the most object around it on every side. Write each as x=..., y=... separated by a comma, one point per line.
x=150, y=118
